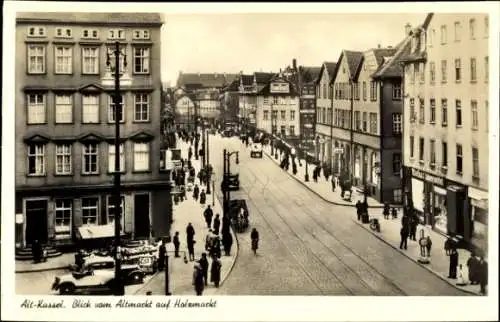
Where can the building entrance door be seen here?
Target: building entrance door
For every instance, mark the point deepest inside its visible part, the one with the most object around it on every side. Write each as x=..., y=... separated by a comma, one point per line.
x=36, y=221
x=141, y=216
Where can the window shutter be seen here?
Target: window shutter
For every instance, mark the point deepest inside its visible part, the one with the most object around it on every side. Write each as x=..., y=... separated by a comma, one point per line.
x=127, y=216
x=77, y=213
x=51, y=214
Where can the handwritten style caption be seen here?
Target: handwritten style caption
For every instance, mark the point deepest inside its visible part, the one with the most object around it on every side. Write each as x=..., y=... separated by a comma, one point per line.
x=79, y=303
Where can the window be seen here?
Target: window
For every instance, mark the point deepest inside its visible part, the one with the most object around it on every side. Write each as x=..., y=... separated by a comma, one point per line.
x=421, y=150
x=116, y=34
x=458, y=30
x=141, y=157
x=90, y=158
x=373, y=123
x=141, y=34
x=292, y=115
x=356, y=91
x=266, y=115
x=444, y=112
x=373, y=91
x=412, y=110
x=397, y=123
x=324, y=91
x=444, y=154
x=111, y=110
x=274, y=129
x=36, y=31
x=283, y=115
x=64, y=109
x=444, y=71
x=364, y=91
x=443, y=34
x=433, y=153
x=416, y=72
x=141, y=60
x=458, y=74
x=421, y=115
x=141, y=103
x=459, y=159
x=412, y=147
x=396, y=163
x=329, y=116
x=397, y=92
x=475, y=117
x=64, y=60
x=64, y=208
x=121, y=59
x=90, y=210
x=111, y=209
x=63, y=159
x=36, y=159
x=90, y=56
x=64, y=33
x=432, y=72
x=90, y=33
x=357, y=120
x=275, y=115
x=473, y=70
x=365, y=121
x=472, y=28
x=475, y=163
x=292, y=130
x=486, y=69
x=266, y=100
x=323, y=116
x=283, y=130
x=397, y=195
x=433, y=111
x=36, y=59
x=111, y=158
x=36, y=109
x=458, y=112
x=422, y=73
x=275, y=100
x=486, y=26
x=90, y=109
x=411, y=73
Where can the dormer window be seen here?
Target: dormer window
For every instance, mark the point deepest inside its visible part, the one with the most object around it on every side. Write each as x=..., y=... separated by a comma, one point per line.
x=90, y=33
x=116, y=34
x=141, y=34
x=36, y=32
x=64, y=33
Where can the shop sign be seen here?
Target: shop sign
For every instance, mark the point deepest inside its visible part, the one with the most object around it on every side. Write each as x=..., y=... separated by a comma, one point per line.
x=417, y=174
x=427, y=177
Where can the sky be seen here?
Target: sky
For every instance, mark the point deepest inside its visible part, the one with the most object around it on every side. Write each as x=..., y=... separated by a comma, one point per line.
x=232, y=43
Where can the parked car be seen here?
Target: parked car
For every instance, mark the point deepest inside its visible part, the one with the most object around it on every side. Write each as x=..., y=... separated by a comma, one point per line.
x=85, y=282
x=132, y=273
x=256, y=150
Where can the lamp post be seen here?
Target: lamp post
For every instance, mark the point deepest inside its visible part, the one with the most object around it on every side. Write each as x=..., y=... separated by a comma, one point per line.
x=225, y=180
x=207, y=161
x=271, y=130
x=117, y=103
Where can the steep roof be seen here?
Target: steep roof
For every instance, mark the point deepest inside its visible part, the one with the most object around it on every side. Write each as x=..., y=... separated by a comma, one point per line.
x=354, y=59
x=205, y=80
x=247, y=80
x=263, y=78
x=418, y=54
x=265, y=90
x=91, y=17
x=392, y=67
x=310, y=74
x=380, y=53
x=330, y=68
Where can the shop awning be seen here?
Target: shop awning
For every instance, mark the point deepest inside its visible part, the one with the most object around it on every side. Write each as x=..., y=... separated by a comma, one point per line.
x=97, y=231
x=478, y=198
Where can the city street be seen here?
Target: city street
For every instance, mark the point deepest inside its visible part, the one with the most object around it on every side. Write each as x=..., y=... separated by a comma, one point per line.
x=307, y=246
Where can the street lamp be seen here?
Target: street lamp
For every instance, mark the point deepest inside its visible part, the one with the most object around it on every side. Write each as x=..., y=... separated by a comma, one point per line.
x=225, y=180
x=118, y=111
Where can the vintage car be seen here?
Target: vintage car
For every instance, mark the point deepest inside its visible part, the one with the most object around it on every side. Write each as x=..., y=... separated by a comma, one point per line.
x=132, y=273
x=85, y=282
x=256, y=150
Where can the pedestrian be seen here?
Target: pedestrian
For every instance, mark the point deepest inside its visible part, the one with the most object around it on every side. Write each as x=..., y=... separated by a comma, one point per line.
x=254, y=236
x=315, y=174
x=386, y=210
x=203, y=197
x=394, y=213
x=190, y=241
x=204, y=267
x=405, y=222
x=448, y=246
x=404, y=238
x=161, y=255
x=177, y=243
x=190, y=153
x=215, y=271
x=422, y=242
x=216, y=246
x=413, y=226
x=428, y=246
x=483, y=275
x=208, y=214
x=227, y=241
x=453, y=264
x=35, y=251
x=333, y=183
x=461, y=276
x=472, y=266
x=198, y=281
x=208, y=240
x=216, y=226
x=359, y=209
x=196, y=192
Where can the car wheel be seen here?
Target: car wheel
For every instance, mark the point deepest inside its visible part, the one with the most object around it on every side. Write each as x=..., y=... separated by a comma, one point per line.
x=137, y=278
x=67, y=289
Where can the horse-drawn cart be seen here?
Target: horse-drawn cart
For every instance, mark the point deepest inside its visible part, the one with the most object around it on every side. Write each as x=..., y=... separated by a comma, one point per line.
x=238, y=214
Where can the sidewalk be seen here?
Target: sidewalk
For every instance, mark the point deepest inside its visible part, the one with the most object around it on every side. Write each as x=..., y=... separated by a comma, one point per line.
x=54, y=263
x=389, y=229
x=181, y=274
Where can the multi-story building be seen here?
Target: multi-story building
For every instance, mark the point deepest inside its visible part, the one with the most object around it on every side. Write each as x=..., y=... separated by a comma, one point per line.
x=208, y=105
x=322, y=141
x=446, y=125
x=249, y=88
x=277, y=110
x=65, y=126
x=229, y=102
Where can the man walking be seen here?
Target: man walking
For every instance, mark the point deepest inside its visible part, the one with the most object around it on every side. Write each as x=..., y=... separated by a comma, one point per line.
x=358, y=209
x=483, y=275
x=215, y=271
x=198, y=282
x=177, y=244
x=196, y=192
x=190, y=241
x=472, y=266
x=216, y=224
x=204, y=267
x=453, y=264
x=227, y=241
x=413, y=221
x=161, y=256
x=404, y=238
x=208, y=214
x=333, y=183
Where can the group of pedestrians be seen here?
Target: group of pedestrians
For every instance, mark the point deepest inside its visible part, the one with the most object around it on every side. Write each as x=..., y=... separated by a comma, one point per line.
x=409, y=224
x=200, y=273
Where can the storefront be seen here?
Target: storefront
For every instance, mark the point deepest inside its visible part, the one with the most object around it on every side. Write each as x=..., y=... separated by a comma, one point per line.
x=479, y=219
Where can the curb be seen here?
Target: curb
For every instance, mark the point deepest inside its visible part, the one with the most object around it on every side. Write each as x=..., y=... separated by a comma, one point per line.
x=413, y=259
x=319, y=195
x=37, y=270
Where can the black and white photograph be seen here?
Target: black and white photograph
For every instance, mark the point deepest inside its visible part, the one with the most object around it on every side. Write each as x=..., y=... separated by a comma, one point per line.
x=154, y=152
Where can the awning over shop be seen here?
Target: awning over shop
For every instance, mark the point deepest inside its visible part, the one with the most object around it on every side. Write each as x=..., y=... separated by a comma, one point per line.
x=478, y=198
x=97, y=231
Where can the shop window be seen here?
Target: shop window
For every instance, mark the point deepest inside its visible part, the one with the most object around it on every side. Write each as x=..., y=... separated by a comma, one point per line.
x=90, y=211
x=397, y=195
x=63, y=214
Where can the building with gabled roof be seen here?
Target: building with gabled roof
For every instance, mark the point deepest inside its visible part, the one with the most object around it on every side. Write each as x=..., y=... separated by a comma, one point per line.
x=195, y=81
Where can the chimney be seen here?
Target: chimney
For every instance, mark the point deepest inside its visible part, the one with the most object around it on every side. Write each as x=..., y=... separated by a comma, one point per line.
x=407, y=29
x=294, y=64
